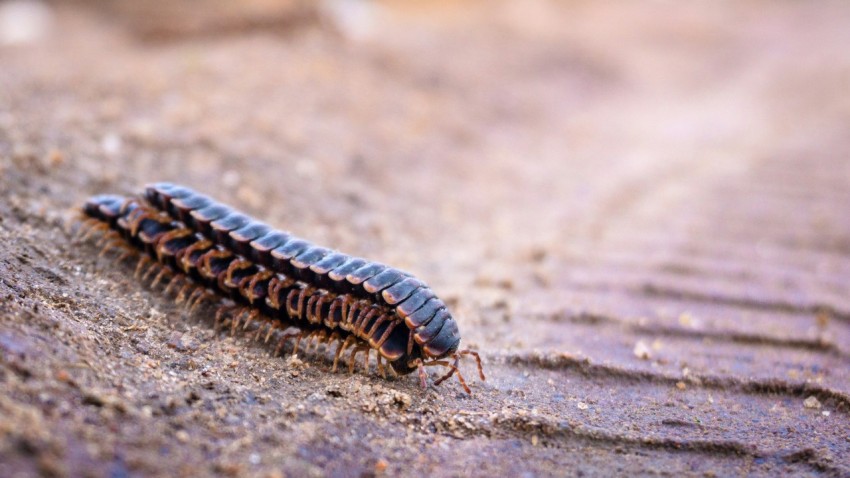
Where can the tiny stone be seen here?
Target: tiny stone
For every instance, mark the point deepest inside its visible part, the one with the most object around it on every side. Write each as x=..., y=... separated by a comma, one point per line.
x=811, y=402
x=641, y=350
x=581, y=406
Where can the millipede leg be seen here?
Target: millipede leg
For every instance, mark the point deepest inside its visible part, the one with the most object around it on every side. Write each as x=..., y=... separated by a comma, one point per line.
x=381, y=370
x=320, y=338
x=106, y=248
x=100, y=226
x=309, y=340
x=128, y=252
x=259, y=332
x=181, y=296
x=330, y=339
x=477, y=360
x=150, y=271
x=196, y=294
x=454, y=370
x=159, y=277
x=283, y=339
x=422, y=382
x=107, y=245
x=366, y=360
x=110, y=234
x=297, y=343
x=376, y=324
x=340, y=350
x=387, y=336
x=202, y=296
x=173, y=282
x=254, y=314
x=142, y=261
x=234, y=323
x=136, y=222
x=272, y=328
x=360, y=327
x=220, y=317
x=353, y=356
x=87, y=224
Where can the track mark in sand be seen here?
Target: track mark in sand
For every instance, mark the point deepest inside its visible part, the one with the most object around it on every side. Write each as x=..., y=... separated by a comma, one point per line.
x=550, y=431
x=648, y=289
x=654, y=290
x=723, y=336
x=583, y=365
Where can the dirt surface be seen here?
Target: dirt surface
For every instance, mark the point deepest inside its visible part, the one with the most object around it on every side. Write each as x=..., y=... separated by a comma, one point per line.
x=638, y=213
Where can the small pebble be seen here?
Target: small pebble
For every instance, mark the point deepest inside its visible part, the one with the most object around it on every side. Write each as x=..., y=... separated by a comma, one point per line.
x=641, y=350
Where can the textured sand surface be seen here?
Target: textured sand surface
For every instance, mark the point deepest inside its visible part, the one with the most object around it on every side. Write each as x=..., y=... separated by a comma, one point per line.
x=638, y=213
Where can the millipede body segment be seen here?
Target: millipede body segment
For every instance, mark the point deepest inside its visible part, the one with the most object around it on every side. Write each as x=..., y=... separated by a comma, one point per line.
x=283, y=280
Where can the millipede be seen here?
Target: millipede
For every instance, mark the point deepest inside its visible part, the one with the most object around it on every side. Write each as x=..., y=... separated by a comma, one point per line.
x=279, y=283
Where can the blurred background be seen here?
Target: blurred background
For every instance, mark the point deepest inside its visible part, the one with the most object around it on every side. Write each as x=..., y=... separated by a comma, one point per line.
x=637, y=210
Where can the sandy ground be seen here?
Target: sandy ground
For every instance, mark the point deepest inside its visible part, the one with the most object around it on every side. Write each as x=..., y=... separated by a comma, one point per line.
x=638, y=213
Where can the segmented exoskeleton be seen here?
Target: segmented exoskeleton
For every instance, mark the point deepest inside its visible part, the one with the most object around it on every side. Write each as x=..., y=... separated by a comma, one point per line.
x=279, y=280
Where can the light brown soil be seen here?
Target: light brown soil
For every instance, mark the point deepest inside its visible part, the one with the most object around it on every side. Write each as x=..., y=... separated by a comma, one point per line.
x=639, y=214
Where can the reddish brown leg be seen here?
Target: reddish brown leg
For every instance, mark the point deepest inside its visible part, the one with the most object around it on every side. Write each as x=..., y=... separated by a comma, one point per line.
x=202, y=296
x=272, y=328
x=381, y=369
x=333, y=337
x=109, y=236
x=259, y=332
x=353, y=356
x=366, y=360
x=361, y=324
x=254, y=314
x=320, y=338
x=173, y=282
x=477, y=360
x=453, y=371
x=283, y=340
x=159, y=277
x=311, y=305
x=128, y=251
x=100, y=226
x=181, y=296
x=220, y=316
x=386, y=335
x=376, y=324
x=234, y=322
x=126, y=255
x=196, y=295
x=142, y=261
x=115, y=244
x=422, y=382
x=150, y=271
x=87, y=224
x=340, y=350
